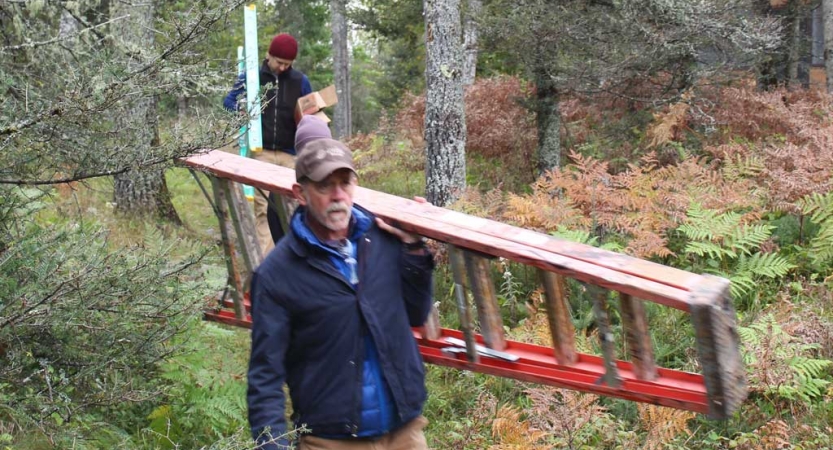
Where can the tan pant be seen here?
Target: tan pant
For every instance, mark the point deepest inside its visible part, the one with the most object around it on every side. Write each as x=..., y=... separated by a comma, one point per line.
x=264, y=237
x=409, y=437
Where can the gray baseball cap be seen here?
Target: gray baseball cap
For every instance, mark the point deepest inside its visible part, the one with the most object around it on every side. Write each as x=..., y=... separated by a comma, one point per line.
x=321, y=157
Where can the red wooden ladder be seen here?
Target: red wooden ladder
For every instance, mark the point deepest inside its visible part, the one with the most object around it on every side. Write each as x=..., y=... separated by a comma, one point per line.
x=473, y=242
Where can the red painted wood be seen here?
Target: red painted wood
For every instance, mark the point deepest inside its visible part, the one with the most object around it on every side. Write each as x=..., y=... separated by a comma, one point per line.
x=614, y=271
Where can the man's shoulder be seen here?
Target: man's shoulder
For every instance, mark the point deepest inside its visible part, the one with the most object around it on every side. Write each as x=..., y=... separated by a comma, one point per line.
x=277, y=258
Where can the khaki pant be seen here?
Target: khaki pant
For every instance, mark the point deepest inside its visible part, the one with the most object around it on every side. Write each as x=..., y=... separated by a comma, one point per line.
x=409, y=437
x=264, y=237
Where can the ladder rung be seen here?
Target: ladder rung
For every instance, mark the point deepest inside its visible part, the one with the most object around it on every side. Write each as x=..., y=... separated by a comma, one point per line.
x=606, y=340
x=485, y=297
x=458, y=269
x=638, y=338
x=559, y=317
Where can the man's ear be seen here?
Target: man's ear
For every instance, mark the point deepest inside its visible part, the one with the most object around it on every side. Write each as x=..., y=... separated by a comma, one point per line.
x=298, y=192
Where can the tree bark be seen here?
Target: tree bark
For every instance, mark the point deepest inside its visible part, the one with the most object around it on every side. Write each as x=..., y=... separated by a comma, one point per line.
x=827, y=13
x=343, y=120
x=549, y=122
x=471, y=37
x=142, y=190
x=445, y=118
x=794, y=54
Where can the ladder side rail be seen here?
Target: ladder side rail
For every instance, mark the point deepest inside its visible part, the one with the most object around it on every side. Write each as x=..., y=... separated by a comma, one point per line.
x=234, y=213
x=234, y=279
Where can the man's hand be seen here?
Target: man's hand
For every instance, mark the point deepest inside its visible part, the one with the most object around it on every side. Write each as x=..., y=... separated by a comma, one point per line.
x=404, y=236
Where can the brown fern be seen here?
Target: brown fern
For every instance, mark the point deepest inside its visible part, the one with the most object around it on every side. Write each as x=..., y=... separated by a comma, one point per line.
x=513, y=433
x=662, y=424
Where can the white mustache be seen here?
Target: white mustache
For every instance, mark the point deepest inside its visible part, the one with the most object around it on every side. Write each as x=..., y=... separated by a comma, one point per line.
x=337, y=207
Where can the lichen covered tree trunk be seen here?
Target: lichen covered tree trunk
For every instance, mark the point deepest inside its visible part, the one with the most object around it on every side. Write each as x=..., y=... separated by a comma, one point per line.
x=139, y=191
x=471, y=40
x=342, y=120
x=548, y=120
x=827, y=13
x=795, y=45
x=445, y=118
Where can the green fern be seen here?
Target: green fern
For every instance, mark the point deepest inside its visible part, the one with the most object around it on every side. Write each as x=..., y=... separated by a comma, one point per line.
x=574, y=235
x=747, y=238
x=743, y=167
x=584, y=237
x=725, y=246
x=771, y=265
x=820, y=209
x=781, y=365
x=202, y=401
x=707, y=224
x=710, y=249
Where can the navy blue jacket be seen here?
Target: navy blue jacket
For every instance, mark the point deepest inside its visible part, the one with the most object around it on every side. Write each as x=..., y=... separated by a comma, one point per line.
x=277, y=119
x=309, y=328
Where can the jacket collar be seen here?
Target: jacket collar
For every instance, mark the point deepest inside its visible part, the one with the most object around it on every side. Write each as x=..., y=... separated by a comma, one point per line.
x=265, y=70
x=304, y=240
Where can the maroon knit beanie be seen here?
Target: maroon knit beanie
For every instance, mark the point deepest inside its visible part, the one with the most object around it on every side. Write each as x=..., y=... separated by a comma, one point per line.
x=284, y=46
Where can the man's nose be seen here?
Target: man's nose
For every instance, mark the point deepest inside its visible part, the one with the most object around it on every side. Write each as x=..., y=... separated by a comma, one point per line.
x=339, y=192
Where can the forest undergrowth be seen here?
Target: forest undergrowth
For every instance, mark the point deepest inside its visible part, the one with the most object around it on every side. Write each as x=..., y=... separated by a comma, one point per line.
x=733, y=182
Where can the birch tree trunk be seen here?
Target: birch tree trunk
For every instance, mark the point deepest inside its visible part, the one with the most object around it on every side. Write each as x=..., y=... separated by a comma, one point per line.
x=343, y=120
x=471, y=37
x=445, y=117
x=140, y=191
x=827, y=13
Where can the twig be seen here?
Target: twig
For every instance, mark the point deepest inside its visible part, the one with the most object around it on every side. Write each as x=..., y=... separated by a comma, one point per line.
x=59, y=38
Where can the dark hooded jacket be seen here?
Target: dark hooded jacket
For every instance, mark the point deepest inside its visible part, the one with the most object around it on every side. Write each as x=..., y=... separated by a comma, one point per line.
x=311, y=327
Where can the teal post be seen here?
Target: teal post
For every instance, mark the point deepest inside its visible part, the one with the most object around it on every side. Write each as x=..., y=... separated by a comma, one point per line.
x=243, y=141
x=252, y=78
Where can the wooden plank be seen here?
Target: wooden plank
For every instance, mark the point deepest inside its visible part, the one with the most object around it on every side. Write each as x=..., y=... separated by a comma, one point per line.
x=586, y=272
x=559, y=317
x=431, y=328
x=280, y=179
x=718, y=347
x=611, y=260
x=640, y=349
x=458, y=269
x=485, y=297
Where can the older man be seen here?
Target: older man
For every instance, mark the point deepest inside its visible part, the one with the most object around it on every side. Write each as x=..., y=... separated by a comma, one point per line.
x=332, y=308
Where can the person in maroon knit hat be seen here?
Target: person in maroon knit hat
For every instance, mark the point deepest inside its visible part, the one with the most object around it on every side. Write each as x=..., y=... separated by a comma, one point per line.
x=281, y=86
